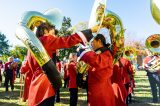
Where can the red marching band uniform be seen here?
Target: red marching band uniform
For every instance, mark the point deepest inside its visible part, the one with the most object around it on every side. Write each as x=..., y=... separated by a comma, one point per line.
x=27, y=80
x=40, y=87
x=149, y=58
x=6, y=66
x=72, y=74
x=66, y=76
x=127, y=76
x=1, y=66
x=59, y=65
x=65, y=71
x=118, y=86
x=72, y=83
x=100, y=91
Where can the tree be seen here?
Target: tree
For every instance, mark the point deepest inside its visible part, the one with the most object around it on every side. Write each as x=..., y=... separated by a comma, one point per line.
x=4, y=46
x=19, y=52
x=66, y=24
x=138, y=46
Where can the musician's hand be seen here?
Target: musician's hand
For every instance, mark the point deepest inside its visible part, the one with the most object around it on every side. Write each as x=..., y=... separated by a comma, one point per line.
x=94, y=29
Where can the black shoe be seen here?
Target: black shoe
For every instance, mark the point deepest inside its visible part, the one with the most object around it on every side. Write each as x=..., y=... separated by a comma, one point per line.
x=57, y=101
x=155, y=101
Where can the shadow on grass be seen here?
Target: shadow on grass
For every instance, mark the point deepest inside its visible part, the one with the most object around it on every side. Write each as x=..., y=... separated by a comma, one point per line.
x=143, y=101
x=12, y=99
x=8, y=104
x=65, y=97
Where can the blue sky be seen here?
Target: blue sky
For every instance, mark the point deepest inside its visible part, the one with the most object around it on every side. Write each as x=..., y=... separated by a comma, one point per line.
x=135, y=15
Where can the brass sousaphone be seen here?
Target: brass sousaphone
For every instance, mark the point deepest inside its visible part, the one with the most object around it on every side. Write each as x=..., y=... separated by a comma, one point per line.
x=24, y=32
x=153, y=41
x=153, y=44
x=111, y=21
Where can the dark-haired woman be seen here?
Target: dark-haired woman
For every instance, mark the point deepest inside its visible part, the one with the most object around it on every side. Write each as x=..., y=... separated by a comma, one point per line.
x=100, y=91
x=41, y=92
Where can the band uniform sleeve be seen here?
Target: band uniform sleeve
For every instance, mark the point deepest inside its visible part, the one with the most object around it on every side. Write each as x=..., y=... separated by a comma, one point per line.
x=100, y=61
x=24, y=68
x=6, y=66
x=68, y=41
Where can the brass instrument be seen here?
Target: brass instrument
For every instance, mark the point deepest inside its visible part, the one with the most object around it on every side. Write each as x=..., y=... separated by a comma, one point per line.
x=111, y=21
x=153, y=41
x=153, y=44
x=97, y=13
x=81, y=79
x=82, y=67
x=154, y=64
x=24, y=32
x=28, y=22
x=96, y=17
x=108, y=19
x=130, y=53
x=155, y=10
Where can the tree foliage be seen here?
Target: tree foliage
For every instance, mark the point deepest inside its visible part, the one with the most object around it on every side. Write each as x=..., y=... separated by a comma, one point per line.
x=66, y=24
x=4, y=46
x=19, y=52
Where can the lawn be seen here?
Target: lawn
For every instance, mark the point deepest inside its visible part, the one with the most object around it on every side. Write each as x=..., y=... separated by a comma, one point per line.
x=141, y=97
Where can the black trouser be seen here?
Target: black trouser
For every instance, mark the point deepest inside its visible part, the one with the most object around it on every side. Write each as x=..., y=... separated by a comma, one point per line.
x=17, y=73
x=66, y=82
x=48, y=102
x=127, y=88
x=73, y=96
x=129, y=98
x=57, y=96
x=0, y=78
x=9, y=78
x=154, y=84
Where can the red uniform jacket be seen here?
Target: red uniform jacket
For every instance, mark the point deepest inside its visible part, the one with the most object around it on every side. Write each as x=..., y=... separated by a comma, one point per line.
x=6, y=66
x=65, y=71
x=118, y=86
x=100, y=91
x=40, y=88
x=149, y=58
x=0, y=68
x=145, y=61
x=127, y=70
x=72, y=74
x=28, y=77
x=1, y=65
x=59, y=66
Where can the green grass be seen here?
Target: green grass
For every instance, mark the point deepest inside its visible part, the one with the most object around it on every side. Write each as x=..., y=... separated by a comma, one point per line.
x=142, y=95
x=142, y=92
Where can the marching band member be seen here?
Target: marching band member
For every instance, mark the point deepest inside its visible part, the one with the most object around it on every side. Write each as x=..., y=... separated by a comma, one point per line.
x=100, y=91
x=154, y=78
x=9, y=70
x=72, y=79
x=118, y=86
x=66, y=78
x=27, y=79
x=127, y=74
x=1, y=66
x=41, y=92
x=58, y=65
